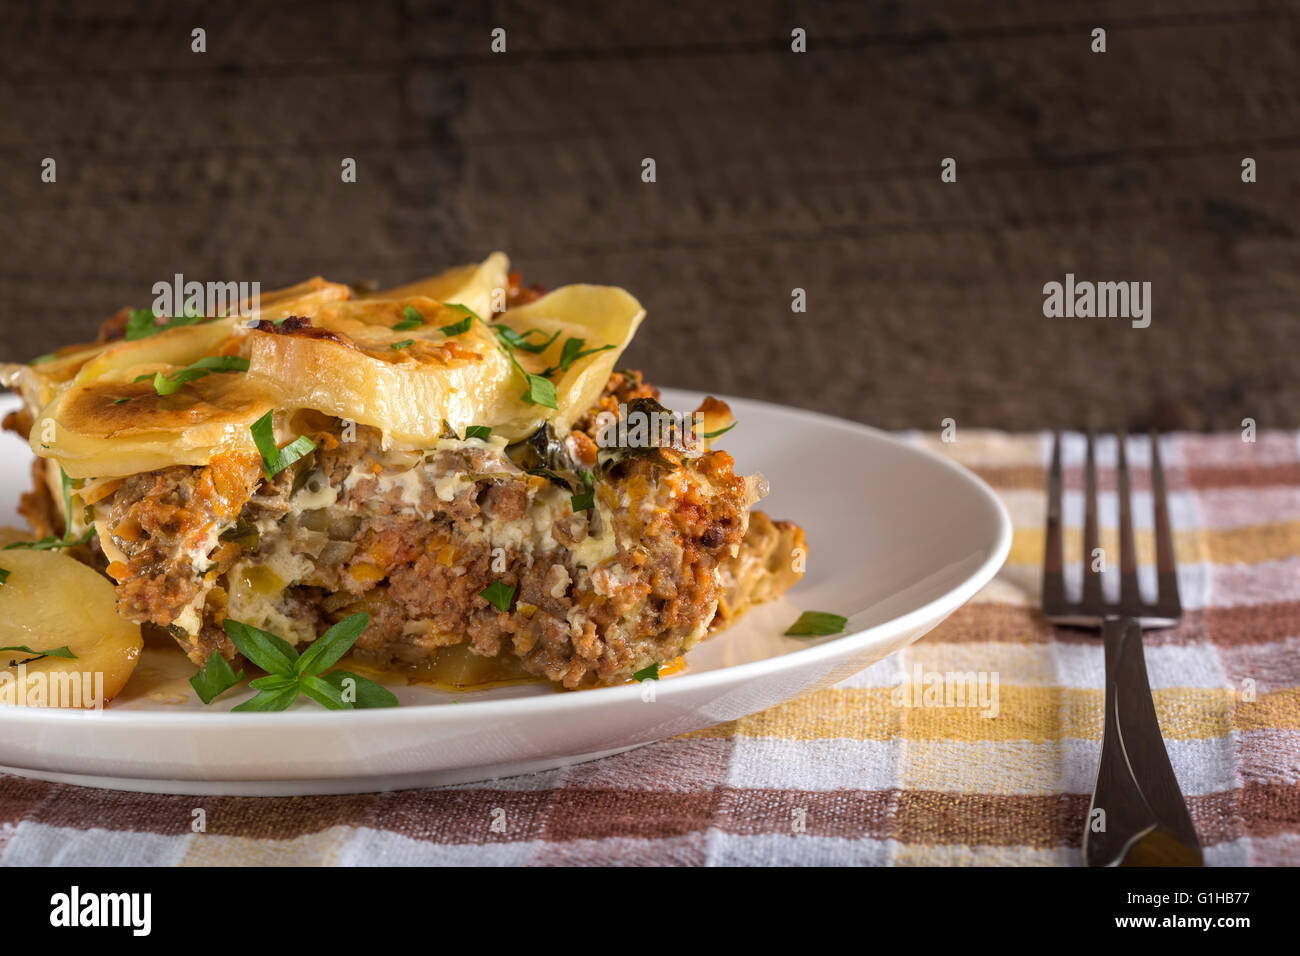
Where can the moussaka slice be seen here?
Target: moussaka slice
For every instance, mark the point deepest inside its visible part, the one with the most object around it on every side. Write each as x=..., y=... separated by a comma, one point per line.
x=459, y=458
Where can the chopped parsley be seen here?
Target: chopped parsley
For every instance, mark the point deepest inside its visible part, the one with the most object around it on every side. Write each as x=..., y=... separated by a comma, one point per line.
x=587, y=499
x=142, y=323
x=215, y=678
x=290, y=674
x=649, y=673
x=51, y=543
x=499, y=595
x=573, y=350
x=458, y=328
x=413, y=320
x=4, y=576
x=120, y=401
x=170, y=384
x=464, y=324
x=541, y=390
x=518, y=340
x=274, y=458
x=817, y=624
x=405, y=343
x=478, y=431
x=42, y=359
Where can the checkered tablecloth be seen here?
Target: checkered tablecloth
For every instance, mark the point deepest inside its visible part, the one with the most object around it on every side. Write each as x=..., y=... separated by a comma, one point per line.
x=867, y=771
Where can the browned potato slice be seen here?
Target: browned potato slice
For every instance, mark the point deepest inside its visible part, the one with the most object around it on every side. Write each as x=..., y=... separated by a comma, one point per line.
x=409, y=383
x=116, y=426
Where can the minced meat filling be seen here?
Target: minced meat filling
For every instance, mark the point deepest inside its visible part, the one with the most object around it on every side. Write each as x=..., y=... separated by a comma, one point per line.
x=415, y=538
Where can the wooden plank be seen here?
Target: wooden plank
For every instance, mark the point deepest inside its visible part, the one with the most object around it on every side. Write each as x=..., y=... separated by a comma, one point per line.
x=775, y=170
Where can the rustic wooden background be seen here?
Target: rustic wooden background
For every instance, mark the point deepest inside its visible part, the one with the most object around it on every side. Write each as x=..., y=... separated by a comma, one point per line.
x=775, y=170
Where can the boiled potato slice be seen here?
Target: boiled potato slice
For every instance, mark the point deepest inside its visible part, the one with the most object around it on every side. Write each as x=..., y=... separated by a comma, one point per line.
x=51, y=601
x=38, y=384
x=352, y=317
x=353, y=370
x=172, y=347
x=472, y=285
x=301, y=299
x=599, y=315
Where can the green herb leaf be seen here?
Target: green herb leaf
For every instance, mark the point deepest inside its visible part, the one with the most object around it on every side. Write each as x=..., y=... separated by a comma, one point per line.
x=649, y=673
x=573, y=351
x=541, y=391
x=271, y=700
x=142, y=323
x=4, y=576
x=326, y=650
x=405, y=343
x=120, y=401
x=817, y=624
x=478, y=431
x=413, y=320
x=323, y=692
x=264, y=438
x=368, y=694
x=215, y=678
x=457, y=328
x=50, y=544
x=464, y=324
x=499, y=595
x=720, y=431
x=274, y=459
x=271, y=682
x=264, y=649
x=296, y=450
x=170, y=384
x=42, y=359
x=518, y=340
x=586, y=500
x=291, y=675
x=52, y=652
x=462, y=308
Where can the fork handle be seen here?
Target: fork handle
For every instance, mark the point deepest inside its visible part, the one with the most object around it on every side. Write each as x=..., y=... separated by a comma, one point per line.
x=1136, y=786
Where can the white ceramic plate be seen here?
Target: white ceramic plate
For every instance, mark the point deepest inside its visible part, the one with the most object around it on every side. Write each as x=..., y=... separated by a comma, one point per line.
x=898, y=539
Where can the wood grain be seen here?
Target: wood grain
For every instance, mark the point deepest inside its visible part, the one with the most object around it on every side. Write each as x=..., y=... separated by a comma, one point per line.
x=775, y=170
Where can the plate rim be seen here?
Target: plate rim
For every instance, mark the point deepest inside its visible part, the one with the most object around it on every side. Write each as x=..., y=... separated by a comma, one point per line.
x=827, y=649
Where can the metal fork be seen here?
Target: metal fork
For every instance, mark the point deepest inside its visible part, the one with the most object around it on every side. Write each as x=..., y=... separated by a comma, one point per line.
x=1143, y=820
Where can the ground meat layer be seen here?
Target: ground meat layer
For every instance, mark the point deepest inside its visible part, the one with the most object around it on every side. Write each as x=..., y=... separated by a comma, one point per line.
x=415, y=538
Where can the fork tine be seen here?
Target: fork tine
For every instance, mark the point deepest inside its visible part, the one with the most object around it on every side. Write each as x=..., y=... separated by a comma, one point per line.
x=1130, y=599
x=1166, y=572
x=1053, y=541
x=1091, y=578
